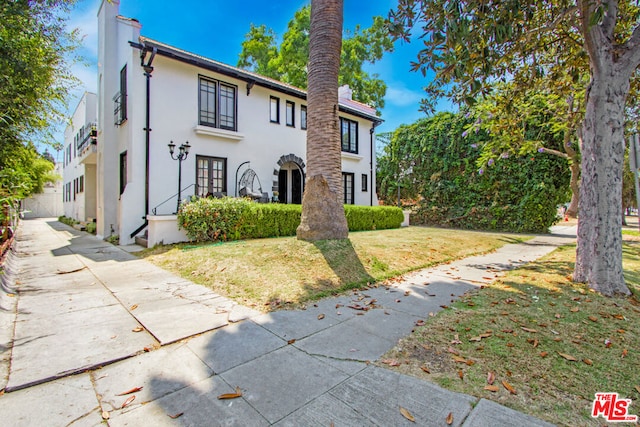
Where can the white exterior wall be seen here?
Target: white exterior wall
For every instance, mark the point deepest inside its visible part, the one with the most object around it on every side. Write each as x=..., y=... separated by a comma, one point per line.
x=174, y=115
x=114, y=52
x=77, y=206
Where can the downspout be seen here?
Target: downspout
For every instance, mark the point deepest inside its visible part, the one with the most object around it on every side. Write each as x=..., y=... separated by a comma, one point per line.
x=148, y=69
x=372, y=187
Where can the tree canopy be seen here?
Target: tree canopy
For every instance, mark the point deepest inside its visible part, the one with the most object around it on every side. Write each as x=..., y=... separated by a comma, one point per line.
x=35, y=51
x=287, y=62
x=471, y=44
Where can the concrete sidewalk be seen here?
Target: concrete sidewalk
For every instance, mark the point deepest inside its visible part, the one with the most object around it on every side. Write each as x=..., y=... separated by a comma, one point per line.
x=92, y=321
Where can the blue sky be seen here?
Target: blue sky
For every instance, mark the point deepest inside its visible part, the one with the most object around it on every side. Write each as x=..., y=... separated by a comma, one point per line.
x=216, y=29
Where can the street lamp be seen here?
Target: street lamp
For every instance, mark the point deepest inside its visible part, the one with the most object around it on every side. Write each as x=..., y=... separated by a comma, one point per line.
x=183, y=152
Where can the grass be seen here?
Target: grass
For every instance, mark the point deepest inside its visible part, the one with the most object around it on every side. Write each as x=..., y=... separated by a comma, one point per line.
x=555, y=342
x=273, y=273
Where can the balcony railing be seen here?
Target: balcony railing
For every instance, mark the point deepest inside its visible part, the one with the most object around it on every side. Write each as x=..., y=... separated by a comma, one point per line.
x=87, y=136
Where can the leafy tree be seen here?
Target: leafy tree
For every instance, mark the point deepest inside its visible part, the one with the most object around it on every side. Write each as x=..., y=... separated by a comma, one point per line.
x=288, y=62
x=34, y=81
x=515, y=194
x=522, y=122
x=323, y=214
x=472, y=43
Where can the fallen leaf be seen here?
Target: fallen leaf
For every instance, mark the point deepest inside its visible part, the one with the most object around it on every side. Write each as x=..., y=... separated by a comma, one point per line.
x=13, y=295
x=621, y=331
x=320, y=316
x=339, y=305
x=469, y=362
x=407, y=415
x=461, y=374
x=391, y=362
x=575, y=310
x=71, y=271
x=235, y=395
x=128, y=401
x=291, y=341
x=593, y=318
x=419, y=322
x=449, y=419
x=133, y=390
x=453, y=351
x=105, y=415
x=587, y=361
x=624, y=353
x=138, y=329
x=459, y=359
x=406, y=293
x=568, y=357
x=174, y=416
x=491, y=377
x=133, y=307
x=147, y=349
x=509, y=387
x=425, y=369
x=492, y=388
x=533, y=331
x=637, y=388
x=510, y=344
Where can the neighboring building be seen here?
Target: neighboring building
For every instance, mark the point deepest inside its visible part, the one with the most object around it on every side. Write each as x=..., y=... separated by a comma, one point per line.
x=47, y=204
x=237, y=123
x=79, y=161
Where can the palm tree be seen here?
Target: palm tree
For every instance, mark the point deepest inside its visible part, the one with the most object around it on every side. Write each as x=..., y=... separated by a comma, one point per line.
x=322, y=203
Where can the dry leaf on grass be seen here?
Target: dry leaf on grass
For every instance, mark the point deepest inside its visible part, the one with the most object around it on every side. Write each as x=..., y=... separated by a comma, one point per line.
x=533, y=331
x=509, y=387
x=133, y=390
x=587, y=362
x=568, y=357
x=425, y=369
x=624, y=353
x=235, y=395
x=491, y=377
x=461, y=374
x=492, y=388
x=390, y=362
x=459, y=359
x=407, y=415
x=637, y=388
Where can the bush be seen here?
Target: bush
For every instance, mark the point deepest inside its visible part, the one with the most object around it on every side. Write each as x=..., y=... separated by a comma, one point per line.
x=66, y=220
x=231, y=218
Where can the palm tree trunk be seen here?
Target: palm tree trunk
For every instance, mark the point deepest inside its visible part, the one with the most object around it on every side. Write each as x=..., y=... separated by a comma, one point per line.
x=322, y=203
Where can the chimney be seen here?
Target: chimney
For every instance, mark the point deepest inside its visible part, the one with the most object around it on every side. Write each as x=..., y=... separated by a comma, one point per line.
x=345, y=92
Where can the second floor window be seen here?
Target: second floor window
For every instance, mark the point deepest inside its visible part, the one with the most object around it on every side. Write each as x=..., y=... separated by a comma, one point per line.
x=217, y=104
x=274, y=110
x=349, y=135
x=303, y=117
x=291, y=107
x=120, y=99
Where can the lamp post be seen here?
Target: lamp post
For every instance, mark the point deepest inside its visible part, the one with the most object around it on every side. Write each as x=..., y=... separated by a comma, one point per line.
x=183, y=152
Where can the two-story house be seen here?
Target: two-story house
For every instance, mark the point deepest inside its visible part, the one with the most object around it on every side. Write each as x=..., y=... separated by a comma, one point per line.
x=79, y=161
x=245, y=133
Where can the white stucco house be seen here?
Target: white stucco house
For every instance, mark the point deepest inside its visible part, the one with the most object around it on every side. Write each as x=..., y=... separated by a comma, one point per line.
x=79, y=161
x=246, y=134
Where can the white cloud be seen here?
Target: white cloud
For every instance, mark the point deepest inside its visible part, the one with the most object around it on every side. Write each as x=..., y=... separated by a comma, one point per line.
x=401, y=96
x=84, y=18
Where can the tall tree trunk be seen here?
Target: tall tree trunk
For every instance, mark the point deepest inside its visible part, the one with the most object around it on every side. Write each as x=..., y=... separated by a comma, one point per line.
x=322, y=203
x=574, y=167
x=599, y=253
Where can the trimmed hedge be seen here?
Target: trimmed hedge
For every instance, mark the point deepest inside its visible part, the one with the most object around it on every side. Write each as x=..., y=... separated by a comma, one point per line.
x=229, y=218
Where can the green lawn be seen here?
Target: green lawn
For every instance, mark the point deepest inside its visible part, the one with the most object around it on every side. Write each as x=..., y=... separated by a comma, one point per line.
x=272, y=273
x=554, y=341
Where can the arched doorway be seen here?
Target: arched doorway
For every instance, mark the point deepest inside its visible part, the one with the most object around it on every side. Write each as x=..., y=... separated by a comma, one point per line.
x=289, y=179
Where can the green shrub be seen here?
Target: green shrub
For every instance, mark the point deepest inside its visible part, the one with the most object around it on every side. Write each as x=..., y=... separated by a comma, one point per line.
x=360, y=218
x=66, y=220
x=231, y=218
x=91, y=227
